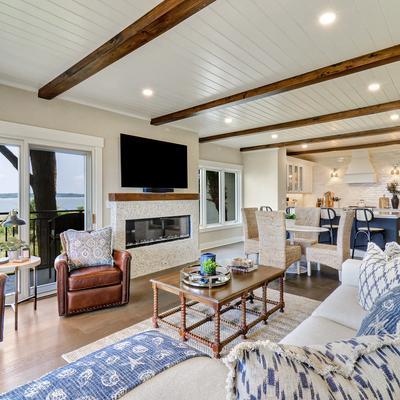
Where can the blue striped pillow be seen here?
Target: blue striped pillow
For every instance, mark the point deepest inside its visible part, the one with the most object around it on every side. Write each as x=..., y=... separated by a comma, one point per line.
x=384, y=317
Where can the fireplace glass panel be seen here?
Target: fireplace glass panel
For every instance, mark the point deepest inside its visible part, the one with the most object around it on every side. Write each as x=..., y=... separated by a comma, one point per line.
x=148, y=231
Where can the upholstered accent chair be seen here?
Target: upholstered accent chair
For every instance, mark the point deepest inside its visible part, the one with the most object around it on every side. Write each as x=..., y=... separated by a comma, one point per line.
x=309, y=216
x=333, y=255
x=91, y=288
x=251, y=242
x=275, y=251
x=3, y=279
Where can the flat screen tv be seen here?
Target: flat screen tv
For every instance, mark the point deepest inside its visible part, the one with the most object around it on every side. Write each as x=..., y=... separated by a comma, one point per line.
x=148, y=163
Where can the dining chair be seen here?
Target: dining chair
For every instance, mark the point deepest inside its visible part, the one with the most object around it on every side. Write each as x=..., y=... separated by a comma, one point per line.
x=333, y=255
x=275, y=251
x=329, y=215
x=364, y=217
x=250, y=230
x=308, y=216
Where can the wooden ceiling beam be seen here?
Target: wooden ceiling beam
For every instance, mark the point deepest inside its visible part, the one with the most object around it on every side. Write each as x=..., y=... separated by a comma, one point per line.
x=157, y=21
x=343, y=68
x=343, y=148
x=320, y=119
x=321, y=139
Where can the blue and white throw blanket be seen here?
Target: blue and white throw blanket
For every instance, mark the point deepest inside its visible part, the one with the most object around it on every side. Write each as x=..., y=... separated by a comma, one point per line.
x=108, y=373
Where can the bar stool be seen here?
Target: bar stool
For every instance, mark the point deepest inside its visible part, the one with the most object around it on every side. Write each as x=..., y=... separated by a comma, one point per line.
x=290, y=210
x=365, y=216
x=265, y=208
x=329, y=214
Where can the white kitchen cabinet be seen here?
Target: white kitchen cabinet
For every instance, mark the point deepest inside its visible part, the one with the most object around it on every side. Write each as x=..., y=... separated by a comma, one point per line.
x=299, y=176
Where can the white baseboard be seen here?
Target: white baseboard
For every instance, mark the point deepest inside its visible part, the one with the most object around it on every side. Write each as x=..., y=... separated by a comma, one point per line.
x=219, y=243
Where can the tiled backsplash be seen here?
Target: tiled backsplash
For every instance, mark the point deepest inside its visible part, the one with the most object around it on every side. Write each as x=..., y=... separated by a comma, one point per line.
x=351, y=194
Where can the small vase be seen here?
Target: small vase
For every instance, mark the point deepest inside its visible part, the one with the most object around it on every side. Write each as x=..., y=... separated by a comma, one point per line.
x=13, y=255
x=395, y=201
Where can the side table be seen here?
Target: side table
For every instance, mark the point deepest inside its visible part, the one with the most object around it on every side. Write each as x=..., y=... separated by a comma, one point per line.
x=13, y=267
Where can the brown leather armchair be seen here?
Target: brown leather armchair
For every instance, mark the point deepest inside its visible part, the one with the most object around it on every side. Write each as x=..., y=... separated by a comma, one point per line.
x=92, y=288
x=3, y=279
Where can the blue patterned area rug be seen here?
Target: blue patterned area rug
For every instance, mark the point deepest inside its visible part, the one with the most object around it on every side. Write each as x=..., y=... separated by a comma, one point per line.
x=108, y=373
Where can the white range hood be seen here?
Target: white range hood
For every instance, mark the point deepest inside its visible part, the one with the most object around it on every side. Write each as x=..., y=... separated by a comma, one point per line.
x=360, y=169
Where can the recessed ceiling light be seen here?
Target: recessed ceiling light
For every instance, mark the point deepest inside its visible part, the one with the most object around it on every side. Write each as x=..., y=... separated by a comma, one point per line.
x=327, y=18
x=304, y=146
x=373, y=87
x=228, y=120
x=274, y=136
x=394, y=117
x=147, y=92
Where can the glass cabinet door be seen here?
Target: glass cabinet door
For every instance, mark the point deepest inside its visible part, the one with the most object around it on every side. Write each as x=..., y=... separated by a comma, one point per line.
x=300, y=179
x=295, y=178
x=290, y=178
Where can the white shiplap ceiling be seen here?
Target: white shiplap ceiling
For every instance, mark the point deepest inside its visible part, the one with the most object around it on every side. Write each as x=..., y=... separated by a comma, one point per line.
x=231, y=45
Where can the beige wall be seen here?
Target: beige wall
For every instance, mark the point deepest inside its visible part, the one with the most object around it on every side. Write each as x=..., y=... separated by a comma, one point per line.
x=216, y=153
x=264, y=178
x=26, y=108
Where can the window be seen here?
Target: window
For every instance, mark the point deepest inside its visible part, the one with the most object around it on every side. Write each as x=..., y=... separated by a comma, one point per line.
x=220, y=195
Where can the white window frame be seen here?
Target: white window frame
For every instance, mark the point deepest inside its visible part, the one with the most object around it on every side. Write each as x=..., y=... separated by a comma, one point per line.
x=221, y=168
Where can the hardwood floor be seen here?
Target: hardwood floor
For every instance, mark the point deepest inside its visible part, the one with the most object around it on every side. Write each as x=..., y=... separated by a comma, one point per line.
x=43, y=336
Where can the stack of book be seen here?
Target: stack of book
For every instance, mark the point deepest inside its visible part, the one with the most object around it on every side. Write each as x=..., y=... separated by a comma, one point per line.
x=242, y=265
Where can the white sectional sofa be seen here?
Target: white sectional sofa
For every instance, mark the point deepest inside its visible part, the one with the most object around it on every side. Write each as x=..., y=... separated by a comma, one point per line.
x=338, y=317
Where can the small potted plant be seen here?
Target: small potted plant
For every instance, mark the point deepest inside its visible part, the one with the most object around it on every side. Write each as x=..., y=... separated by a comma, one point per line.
x=12, y=247
x=291, y=218
x=209, y=267
x=393, y=188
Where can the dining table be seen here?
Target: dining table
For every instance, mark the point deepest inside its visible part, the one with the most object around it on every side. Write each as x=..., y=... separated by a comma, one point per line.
x=292, y=229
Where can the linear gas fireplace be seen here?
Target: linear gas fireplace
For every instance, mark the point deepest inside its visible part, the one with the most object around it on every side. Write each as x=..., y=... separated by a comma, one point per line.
x=148, y=231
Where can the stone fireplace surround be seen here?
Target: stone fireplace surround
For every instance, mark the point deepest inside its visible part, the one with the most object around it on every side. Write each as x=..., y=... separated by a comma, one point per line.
x=159, y=256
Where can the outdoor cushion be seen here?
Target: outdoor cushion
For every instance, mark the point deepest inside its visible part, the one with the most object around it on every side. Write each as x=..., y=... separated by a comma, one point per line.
x=384, y=316
x=92, y=277
x=365, y=367
x=88, y=249
x=379, y=273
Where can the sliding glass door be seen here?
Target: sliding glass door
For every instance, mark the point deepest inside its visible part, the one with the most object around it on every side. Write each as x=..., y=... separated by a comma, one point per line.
x=59, y=199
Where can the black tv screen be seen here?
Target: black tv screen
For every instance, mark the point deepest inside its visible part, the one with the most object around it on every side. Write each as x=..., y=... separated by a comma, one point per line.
x=148, y=163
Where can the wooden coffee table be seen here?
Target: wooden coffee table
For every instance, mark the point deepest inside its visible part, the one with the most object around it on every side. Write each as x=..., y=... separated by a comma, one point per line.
x=234, y=295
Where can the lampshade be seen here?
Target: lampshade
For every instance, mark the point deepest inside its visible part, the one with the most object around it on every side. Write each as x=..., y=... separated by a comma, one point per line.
x=13, y=220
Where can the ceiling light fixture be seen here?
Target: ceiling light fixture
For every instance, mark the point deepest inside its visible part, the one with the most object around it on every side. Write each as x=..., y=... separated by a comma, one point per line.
x=304, y=146
x=394, y=117
x=228, y=120
x=147, y=92
x=327, y=18
x=274, y=136
x=334, y=173
x=373, y=87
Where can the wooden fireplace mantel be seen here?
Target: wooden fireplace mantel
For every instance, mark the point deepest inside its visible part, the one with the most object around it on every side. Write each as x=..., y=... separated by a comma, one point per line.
x=152, y=196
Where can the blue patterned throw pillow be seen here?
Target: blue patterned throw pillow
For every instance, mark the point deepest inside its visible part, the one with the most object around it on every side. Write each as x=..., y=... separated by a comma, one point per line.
x=384, y=317
x=365, y=367
x=88, y=249
x=379, y=273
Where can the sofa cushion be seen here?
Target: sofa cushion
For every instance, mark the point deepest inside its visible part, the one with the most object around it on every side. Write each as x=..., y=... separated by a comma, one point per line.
x=88, y=249
x=384, y=317
x=342, y=307
x=317, y=330
x=92, y=277
x=351, y=272
x=195, y=379
x=360, y=368
x=379, y=273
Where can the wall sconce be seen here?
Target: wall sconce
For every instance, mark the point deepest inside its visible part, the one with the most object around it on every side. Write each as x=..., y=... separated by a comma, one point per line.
x=395, y=170
x=334, y=173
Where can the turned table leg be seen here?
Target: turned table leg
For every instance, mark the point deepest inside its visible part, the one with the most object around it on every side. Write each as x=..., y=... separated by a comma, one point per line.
x=155, y=306
x=281, y=288
x=182, y=330
x=264, y=302
x=216, y=347
x=243, y=324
